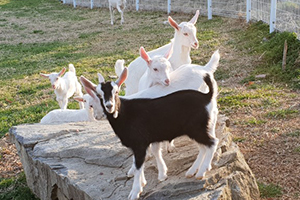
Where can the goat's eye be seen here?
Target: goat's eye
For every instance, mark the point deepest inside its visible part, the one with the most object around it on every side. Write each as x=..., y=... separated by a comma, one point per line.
x=91, y=106
x=56, y=78
x=186, y=34
x=155, y=69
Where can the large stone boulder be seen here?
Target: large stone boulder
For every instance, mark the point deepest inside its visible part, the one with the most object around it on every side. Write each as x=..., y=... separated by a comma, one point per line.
x=85, y=161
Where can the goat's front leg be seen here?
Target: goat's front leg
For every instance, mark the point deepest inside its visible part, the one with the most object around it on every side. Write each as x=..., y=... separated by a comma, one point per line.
x=161, y=165
x=64, y=104
x=139, y=178
x=131, y=171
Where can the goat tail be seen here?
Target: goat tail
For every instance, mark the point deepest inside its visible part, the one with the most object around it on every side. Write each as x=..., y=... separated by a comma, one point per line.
x=72, y=68
x=213, y=63
x=119, y=67
x=212, y=86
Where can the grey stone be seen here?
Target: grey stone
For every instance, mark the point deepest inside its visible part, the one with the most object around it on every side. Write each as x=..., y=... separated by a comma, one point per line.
x=86, y=161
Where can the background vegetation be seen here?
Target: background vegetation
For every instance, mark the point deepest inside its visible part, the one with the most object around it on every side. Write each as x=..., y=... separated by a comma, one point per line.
x=44, y=36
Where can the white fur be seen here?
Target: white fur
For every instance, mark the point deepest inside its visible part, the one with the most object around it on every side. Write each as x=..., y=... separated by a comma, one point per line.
x=184, y=39
x=119, y=5
x=124, y=123
x=91, y=110
x=188, y=76
x=66, y=86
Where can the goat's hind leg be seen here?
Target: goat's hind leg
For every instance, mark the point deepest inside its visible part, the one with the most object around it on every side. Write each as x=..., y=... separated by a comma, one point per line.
x=194, y=168
x=206, y=163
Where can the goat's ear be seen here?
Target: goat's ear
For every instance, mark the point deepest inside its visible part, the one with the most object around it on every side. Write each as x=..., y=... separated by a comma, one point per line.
x=169, y=52
x=173, y=23
x=100, y=78
x=44, y=75
x=145, y=56
x=62, y=71
x=79, y=99
x=122, y=78
x=90, y=92
x=87, y=83
x=195, y=18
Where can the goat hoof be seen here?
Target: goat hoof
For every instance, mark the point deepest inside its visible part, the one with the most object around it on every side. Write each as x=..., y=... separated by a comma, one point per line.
x=162, y=178
x=199, y=178
x=134, y=195
x=190, y=173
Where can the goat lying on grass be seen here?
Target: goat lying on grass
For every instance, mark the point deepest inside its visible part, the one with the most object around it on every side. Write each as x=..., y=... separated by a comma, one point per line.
x=66, y=86
x=140, y=122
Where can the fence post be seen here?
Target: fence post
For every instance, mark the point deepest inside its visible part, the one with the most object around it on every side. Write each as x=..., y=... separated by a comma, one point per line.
x=209, y=9
x=169, y=6
x=137, y=2
x=273, y=15
x=248, y=10
x=92, y=4
x=64, y=1
x=74, y=3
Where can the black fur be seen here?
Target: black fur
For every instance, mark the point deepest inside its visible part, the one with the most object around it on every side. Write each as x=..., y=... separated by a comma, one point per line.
x=141, y=122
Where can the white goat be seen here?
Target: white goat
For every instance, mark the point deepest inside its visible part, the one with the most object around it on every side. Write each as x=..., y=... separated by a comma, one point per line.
x=158, y=69
x=158, y=121
x=66, y=86
x=119, y=5
x=186, y=77
x=184, y=39
x=92, y=110
x=157, y=72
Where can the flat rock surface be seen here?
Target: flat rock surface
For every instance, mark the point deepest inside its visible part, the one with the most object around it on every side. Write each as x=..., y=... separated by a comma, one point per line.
x=87, y=161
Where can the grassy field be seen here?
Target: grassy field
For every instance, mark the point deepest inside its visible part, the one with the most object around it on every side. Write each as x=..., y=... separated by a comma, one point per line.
x=44, y=36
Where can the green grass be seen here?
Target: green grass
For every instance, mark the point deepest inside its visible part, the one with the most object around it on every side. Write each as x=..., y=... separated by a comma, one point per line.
x=25, y=97
x=269, y=190
x=15, y=189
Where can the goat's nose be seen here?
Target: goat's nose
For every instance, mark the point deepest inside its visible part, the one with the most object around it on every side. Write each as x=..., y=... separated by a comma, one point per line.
x=167, y=81
x=109, y=106
x=53, y=86
x=196, y=44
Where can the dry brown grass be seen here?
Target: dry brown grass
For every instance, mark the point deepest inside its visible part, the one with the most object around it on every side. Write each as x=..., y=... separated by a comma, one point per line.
x=271, y=145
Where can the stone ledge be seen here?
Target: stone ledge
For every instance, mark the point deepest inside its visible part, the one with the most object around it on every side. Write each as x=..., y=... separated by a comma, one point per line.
x=86, y=161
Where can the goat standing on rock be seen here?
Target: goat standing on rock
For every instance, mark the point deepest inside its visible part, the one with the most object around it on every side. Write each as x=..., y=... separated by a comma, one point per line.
x=140, y=122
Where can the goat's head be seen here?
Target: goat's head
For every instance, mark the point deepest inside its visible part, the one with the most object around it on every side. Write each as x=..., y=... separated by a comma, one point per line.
x=159, y=66
x=92, y=104
x=54, y=78
x=186, y=31
x=108, y=92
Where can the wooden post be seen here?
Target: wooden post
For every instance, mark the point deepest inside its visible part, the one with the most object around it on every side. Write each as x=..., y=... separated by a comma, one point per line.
x=284, y=55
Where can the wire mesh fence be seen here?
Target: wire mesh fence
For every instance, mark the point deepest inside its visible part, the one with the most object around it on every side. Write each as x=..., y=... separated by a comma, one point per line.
x=287, y=12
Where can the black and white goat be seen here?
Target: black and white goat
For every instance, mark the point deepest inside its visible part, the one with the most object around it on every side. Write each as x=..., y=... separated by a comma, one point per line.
x=140, y=122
